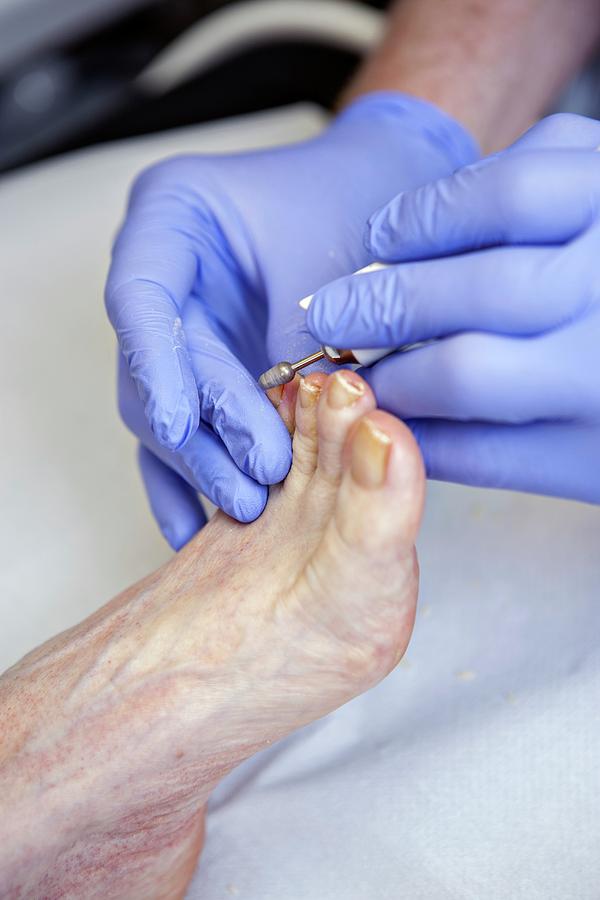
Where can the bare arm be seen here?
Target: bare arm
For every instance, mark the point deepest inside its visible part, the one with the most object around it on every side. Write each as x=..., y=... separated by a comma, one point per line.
x=494, y=66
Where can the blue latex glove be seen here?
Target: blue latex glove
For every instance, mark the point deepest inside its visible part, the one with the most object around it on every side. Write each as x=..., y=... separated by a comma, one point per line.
x=204, y=286
x=508, y=281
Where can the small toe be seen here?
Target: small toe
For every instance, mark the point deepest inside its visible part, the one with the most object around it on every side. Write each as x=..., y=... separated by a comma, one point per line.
x=283, y=399
x=305, y=436
x=346, y=398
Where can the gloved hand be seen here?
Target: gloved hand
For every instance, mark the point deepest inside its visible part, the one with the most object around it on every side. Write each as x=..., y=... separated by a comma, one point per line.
x=507, y=280
x=204, y=286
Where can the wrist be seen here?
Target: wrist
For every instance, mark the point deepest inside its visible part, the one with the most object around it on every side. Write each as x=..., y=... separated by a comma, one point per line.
x=397, y=118
x=473, y=59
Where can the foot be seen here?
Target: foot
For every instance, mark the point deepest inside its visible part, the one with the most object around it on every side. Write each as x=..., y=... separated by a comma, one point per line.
x=249, y=633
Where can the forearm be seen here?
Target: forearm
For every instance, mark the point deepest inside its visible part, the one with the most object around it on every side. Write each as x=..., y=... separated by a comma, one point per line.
x=494, y=66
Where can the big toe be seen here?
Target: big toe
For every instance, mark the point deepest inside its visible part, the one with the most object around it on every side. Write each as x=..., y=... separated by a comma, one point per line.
x=364, y=575
x=380, y=501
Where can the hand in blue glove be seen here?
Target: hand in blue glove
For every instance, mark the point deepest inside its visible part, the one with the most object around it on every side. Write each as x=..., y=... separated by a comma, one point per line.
x=508, y=283
x=204, y=286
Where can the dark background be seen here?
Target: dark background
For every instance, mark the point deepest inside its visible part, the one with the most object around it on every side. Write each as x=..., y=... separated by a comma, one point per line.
x=60, y=96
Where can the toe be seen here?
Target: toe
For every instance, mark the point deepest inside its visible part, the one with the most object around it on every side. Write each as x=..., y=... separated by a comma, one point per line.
x=283, y=399
x=346, y=397
x=380, y=501
x=361, y=582
x=305, y=436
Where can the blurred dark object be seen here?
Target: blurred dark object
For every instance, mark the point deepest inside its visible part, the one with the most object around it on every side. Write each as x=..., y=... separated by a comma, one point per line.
x=73, y=72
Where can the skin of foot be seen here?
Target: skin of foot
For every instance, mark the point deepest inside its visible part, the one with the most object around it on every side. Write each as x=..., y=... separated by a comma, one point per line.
x=115, y=732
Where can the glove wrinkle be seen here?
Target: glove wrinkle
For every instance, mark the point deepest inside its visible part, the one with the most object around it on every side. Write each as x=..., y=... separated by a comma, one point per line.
x=228, y=245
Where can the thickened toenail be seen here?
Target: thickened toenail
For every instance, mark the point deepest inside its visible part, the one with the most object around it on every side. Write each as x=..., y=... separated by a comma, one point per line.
x=370, y=454
x=342, y=392
x=309, y=394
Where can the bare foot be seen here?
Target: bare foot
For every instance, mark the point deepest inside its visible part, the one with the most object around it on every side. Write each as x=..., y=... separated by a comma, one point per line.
x=116, y=731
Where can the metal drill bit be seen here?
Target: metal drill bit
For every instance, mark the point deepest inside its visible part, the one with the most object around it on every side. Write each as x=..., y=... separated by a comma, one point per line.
x=283, y=372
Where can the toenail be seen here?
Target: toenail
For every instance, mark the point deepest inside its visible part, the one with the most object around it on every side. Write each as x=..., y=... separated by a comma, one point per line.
x=309, y=394
x=342, y=391
x=370, y=454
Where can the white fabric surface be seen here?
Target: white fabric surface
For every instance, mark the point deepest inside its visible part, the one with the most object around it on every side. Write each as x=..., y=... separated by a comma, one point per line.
x=472, y=772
